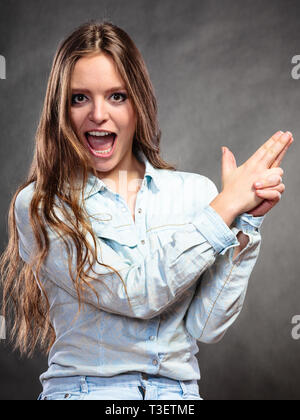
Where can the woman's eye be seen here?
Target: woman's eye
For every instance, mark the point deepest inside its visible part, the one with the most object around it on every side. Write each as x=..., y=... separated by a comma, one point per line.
x=119, y=97
x=78, y=98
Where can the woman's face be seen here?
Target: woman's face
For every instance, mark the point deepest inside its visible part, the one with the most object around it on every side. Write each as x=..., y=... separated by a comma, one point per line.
x=100, y=105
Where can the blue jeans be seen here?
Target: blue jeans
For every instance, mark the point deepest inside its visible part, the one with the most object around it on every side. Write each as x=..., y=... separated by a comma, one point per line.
x=126, y=386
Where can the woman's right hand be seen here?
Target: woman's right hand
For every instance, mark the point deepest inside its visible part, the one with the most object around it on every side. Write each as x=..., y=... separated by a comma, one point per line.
x=238, y=194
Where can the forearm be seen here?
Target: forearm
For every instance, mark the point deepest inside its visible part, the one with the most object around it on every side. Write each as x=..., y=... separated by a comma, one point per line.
x=222, y=288
x=222, y=206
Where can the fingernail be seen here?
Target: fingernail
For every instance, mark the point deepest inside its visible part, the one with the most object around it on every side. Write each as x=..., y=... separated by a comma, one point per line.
x=286, y=135
x=223, y=150
x=258, y=184
x=278, y=134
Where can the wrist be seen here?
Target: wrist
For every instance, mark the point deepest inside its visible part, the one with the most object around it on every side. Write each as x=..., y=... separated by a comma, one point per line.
x=224, y=206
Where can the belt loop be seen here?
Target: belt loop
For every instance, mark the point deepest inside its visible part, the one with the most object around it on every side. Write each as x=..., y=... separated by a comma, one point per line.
x=83, y=385
x=183, y=387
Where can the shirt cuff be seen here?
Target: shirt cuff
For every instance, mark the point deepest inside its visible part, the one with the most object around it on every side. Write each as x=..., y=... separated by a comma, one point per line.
x=248, y=223
x=214, y=229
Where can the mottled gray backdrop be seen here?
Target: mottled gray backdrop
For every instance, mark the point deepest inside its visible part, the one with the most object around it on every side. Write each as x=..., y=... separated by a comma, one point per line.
x=222, y=74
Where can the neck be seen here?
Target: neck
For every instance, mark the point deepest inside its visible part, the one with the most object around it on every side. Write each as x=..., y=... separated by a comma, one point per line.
x=126, y=176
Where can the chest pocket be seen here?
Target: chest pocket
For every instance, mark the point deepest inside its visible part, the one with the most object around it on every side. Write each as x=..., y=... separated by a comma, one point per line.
x=113, y=235
x=160, y=235
x=121, y=236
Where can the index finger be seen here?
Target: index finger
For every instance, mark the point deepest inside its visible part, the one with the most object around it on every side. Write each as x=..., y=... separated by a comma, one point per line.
x=268, y=153
x=262, y=150
x=279, y=158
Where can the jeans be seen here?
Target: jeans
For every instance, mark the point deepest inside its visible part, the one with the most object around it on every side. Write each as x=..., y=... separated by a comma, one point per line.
x=127, y=386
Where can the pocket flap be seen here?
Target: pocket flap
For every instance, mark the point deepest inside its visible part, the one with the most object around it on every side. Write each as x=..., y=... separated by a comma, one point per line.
x=103, y=228
x=123, y=237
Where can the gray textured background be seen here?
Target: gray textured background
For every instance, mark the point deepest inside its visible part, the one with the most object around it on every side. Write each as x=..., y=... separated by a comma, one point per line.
x=222, y=75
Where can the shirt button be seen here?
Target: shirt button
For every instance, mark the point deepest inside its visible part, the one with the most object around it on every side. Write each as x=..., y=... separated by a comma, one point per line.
x=152, y=338
x=139, y=210
x=67, y=395
x=155, y=362
x=143, y=242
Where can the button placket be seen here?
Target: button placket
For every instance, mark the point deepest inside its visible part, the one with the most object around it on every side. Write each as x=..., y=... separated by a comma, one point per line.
x=140, y=222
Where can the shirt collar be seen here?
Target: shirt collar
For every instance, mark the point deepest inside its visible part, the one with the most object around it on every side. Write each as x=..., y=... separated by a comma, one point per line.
x=151, y=173
x=95, y=184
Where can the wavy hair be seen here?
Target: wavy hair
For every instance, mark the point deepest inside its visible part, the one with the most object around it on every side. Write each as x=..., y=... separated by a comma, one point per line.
x=58, y=158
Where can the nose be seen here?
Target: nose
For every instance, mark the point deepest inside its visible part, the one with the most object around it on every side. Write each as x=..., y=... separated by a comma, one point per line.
x=99, y=111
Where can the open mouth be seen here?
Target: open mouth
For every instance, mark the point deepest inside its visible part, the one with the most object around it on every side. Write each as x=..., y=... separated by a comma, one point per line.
x=101, y=143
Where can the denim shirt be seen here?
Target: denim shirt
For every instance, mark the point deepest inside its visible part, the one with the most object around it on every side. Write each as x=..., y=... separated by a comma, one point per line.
x=176, y=260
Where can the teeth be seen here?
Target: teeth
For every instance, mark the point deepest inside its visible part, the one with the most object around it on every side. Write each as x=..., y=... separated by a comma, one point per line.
x=99, y=134
x=103, y=152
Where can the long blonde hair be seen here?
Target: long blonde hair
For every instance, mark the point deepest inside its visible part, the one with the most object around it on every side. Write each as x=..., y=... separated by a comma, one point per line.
x=58, y=158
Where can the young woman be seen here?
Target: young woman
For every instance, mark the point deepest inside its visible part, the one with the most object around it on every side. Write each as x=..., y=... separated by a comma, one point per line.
x=117, y=263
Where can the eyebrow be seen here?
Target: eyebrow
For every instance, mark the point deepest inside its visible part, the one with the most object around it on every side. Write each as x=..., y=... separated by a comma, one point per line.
x=79, y=89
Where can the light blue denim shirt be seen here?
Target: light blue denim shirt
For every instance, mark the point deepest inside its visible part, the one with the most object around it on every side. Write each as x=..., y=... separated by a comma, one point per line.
x=176, y=261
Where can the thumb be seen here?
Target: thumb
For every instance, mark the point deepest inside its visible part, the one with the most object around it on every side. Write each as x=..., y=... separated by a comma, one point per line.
x=228, y=162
